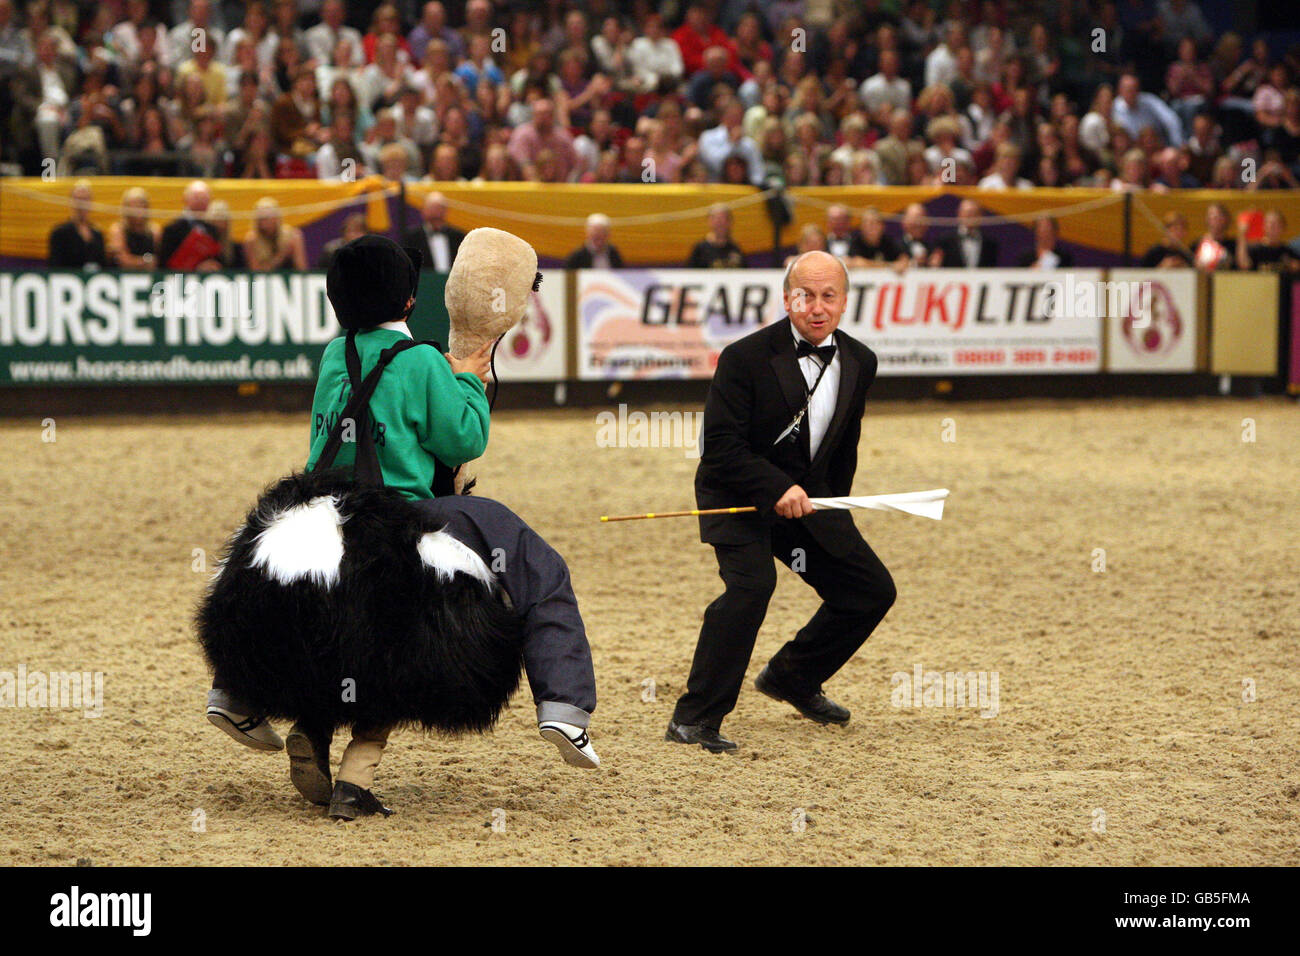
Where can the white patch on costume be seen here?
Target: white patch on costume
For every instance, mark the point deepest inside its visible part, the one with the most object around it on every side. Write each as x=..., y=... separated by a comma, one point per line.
x=305, y=541
x=447, y=557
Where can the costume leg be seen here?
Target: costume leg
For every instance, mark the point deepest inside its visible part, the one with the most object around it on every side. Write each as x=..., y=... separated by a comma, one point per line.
x=362, y=756
x=727, y=635
x=856, y=591
x=557, y=657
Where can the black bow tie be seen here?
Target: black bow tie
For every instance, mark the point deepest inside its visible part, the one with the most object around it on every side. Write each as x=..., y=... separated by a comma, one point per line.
x=824, y=352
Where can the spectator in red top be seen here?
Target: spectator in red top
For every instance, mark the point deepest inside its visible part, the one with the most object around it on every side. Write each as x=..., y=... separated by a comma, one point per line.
x=385, y=20
x=697, y=34
x=751, y=48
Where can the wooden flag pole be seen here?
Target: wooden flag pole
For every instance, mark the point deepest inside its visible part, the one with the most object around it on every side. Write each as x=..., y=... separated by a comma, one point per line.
x=678, y=514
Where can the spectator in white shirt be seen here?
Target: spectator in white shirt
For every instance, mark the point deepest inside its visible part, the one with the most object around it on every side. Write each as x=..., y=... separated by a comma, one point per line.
x=185, y=38
x=381, y=81
x=941, y=64
x=125, y=36
x=255, y=29
x=886, y=86
x=1006, y=167
x=655, y=57
x=323, y=39
x=1094, y=128
x=1135, y=110
x=853, y=130
x=729, y=137
x=416, y=122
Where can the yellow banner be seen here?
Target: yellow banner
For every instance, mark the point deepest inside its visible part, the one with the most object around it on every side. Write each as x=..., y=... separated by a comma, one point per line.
x=652, y=224
x=31, y=207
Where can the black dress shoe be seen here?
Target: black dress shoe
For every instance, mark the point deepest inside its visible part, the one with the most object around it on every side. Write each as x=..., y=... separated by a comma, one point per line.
x=706, y=737
x=350, y=802
x=309, y=764
x=816, y=707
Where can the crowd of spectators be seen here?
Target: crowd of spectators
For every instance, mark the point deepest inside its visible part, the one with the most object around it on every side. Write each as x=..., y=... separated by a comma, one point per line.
x=1128, y=95
x=1134, y=95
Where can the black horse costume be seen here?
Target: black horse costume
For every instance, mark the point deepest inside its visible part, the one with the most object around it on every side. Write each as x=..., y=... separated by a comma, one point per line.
x=342, y=602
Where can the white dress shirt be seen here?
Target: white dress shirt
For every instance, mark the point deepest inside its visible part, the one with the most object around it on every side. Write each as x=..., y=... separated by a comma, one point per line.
x=822, y=407
x=439, y=250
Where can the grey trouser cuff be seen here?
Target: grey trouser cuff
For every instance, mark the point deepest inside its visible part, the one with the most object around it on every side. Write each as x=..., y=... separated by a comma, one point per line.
x=567, y=713
x=224, y=699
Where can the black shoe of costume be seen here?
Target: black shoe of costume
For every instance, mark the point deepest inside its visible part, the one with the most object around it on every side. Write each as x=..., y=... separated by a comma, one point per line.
x=309, y=766
x=350, y=802
x=816, y=707
x=706, y=737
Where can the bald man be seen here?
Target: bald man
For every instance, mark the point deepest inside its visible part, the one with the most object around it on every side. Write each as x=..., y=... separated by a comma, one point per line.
x=436, y=238
x=781, y=423
x=189, y=244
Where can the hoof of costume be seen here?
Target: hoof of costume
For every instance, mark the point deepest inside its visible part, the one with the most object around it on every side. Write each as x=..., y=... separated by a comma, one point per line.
x=339, y=604
x=573, y=743
x=253, y=732
x=350, y=801
x=309, y=766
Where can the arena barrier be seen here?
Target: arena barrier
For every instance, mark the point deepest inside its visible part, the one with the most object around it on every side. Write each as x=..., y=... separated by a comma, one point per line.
x=121, y=328
x=652, y=225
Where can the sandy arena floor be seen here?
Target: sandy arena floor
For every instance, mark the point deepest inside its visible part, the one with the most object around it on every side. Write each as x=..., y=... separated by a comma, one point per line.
x=1125, y=733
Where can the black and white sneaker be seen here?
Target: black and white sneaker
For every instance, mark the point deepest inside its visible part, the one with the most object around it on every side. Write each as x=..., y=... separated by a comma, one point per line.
x=572, y=742
x=252, y=731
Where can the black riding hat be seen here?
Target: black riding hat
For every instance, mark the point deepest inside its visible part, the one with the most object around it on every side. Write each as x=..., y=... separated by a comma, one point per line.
x=371, y=280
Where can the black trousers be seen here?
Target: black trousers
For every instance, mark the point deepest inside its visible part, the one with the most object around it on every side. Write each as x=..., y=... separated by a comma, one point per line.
x=856, y=591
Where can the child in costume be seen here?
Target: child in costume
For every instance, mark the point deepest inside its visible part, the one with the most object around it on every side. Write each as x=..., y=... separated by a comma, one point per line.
x=353, y=596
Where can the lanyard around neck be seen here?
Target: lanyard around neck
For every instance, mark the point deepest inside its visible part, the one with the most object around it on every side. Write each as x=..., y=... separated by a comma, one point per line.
x=793, y=427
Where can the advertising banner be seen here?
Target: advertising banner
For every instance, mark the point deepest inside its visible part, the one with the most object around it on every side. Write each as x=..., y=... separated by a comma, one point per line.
x=109, y=328
x=535, y=350
x=1157, y=332
x=647, y=323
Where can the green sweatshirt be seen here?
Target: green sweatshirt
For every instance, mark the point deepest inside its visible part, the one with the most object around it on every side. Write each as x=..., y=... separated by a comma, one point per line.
x=420, y=411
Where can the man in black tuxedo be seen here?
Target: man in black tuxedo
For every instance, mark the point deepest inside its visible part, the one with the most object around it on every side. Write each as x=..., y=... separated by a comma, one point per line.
x=1046, y=254
x=782, y=422
x=438, y=240
x=596, y=252
x=194, y=202
x=968, y=247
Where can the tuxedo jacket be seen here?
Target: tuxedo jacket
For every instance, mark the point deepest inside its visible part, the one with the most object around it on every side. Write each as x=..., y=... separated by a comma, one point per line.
x=952, y=252
x=756, y=391
x=417, y=237
x=68, y=251
x=1066, y=260
x=582, y=259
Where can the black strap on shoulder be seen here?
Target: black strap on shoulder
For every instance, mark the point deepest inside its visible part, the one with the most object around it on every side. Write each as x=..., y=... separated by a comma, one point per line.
x=366, y=468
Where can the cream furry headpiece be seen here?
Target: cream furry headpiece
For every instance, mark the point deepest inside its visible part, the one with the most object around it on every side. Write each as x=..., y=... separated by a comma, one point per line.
x=488, y=287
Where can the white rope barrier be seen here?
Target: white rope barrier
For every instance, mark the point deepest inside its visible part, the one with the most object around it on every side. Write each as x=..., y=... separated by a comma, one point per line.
x=386, y=192
x=1058, y=212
